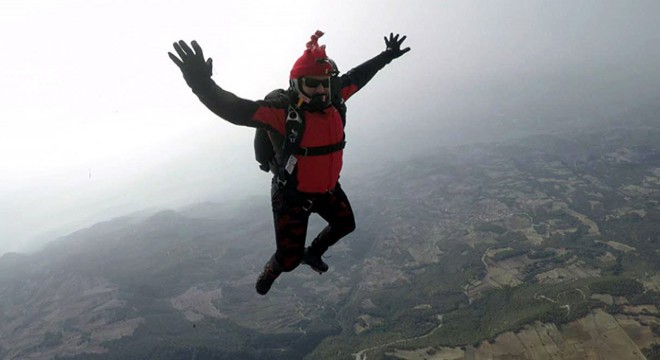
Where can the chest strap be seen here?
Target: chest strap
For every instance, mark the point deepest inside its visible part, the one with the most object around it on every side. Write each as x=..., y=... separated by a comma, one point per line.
x=320, y=150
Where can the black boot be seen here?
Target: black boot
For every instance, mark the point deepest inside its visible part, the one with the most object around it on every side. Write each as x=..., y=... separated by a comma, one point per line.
x=272, y=270
x=314, y=261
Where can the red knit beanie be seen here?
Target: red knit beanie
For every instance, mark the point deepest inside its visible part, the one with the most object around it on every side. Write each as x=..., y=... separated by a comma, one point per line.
x=307, y=64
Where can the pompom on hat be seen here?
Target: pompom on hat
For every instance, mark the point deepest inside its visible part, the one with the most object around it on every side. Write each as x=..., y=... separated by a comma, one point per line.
x=313, y=60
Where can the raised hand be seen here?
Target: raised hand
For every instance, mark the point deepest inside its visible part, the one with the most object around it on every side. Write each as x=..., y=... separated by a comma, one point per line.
x=393, y=45
x=196, y=70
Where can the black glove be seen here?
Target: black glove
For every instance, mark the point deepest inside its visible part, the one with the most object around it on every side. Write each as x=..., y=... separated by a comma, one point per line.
x=393, y=44
x=196, y=71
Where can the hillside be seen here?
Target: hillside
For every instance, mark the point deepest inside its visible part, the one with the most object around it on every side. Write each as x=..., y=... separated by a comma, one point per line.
x=546, y=245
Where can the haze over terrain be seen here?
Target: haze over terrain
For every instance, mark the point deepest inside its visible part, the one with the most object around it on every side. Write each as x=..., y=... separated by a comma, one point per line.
x=532, y=248
x=96, y=122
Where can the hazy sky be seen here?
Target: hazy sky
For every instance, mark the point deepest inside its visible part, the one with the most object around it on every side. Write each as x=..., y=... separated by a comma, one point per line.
x=95, y=120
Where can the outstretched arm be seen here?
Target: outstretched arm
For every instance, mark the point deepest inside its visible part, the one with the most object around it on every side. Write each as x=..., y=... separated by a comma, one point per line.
x=359, y=76
x=197, y=73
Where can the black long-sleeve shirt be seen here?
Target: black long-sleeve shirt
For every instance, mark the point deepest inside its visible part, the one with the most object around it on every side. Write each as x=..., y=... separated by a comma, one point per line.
x=315, y=174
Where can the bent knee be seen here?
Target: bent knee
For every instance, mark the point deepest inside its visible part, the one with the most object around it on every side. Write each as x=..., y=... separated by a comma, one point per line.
x=348, y=227
x=351, y=227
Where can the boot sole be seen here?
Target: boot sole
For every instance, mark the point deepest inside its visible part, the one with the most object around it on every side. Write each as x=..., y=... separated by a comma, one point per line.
x=316, y=269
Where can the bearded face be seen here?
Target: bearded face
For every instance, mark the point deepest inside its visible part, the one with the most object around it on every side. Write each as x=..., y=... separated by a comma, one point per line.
x=317, y=89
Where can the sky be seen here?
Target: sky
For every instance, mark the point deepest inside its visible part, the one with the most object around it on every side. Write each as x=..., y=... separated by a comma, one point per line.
x=97, y=122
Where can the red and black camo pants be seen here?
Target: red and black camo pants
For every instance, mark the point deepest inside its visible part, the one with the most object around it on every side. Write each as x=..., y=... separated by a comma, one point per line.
x=291, y=216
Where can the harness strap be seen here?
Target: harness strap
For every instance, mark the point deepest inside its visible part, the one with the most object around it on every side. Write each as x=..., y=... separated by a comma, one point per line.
x=294, y=128
x=320, y=150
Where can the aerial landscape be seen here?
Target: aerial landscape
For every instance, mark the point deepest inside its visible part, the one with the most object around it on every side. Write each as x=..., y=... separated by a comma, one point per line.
x=501, y=160
x=541, y=247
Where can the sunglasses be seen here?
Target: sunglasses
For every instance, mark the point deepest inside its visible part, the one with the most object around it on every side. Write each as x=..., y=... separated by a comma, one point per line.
x=316, y=82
